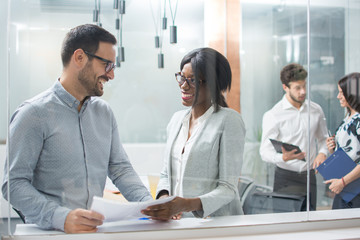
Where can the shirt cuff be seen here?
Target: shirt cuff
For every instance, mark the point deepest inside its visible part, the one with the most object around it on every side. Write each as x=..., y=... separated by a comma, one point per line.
x=278, y=158
x=199, y=213
x=325, y=151
x=58, y=220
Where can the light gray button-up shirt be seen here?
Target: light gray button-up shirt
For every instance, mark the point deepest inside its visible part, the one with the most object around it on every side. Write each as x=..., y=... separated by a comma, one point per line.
x=59, y=157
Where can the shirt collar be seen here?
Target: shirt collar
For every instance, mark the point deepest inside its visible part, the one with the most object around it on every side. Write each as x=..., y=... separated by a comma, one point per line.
x=206, y=114
x=202, y=118
x=66, y=97
x=356, y=115
x=287, y=105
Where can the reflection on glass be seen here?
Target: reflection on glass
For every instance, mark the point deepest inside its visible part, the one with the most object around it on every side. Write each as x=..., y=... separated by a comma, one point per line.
x=287, y=122
x=278, y=39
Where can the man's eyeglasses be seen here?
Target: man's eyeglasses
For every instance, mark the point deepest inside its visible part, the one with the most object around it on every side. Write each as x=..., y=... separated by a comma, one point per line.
x=109, y=64
x=181, y=79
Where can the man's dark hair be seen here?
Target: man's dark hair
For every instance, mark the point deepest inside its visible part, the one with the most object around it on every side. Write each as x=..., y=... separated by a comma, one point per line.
x=291, y=73
x=86, y=37
x=348, y=85
x=212, y=67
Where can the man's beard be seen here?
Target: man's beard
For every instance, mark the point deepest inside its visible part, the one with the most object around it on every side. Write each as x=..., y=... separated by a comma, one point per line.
x=296, y=100
x=85, y=77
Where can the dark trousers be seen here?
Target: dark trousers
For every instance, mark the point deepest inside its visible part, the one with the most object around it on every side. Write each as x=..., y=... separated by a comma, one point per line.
x=295, y=183
x=339, y=203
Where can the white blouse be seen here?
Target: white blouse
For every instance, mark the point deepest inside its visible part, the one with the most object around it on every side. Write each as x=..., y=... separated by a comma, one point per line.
x=182, y=147
x=348, y=137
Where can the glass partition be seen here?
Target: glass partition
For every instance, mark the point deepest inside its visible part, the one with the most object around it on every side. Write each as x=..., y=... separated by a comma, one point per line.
x=274, y=33
x=3, y=70
x=333, y=48
x=143, y=95
x=327, y=66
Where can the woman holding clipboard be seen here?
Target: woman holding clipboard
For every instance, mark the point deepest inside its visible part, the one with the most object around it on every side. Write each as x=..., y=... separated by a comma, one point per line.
x=347, y=137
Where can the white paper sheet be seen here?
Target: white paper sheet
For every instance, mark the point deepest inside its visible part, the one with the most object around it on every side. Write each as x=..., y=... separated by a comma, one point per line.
x=115, y=211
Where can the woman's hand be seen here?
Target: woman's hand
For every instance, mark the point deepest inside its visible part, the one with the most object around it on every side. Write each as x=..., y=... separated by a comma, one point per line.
x=172, y=209
x=336, y=185
x=330, y=143
x=177, y=216
x=166, y=210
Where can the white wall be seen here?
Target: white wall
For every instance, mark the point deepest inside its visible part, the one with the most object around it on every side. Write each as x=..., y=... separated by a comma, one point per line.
x=142, y=96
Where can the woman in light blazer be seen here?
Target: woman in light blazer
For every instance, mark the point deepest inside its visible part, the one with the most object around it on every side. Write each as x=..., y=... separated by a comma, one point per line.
x=205, y=144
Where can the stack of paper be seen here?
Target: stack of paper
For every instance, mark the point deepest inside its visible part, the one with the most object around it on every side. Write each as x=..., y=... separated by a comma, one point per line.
x=115, y=211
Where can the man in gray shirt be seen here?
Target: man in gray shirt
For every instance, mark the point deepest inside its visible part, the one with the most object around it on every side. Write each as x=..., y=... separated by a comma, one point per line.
x=65, y=141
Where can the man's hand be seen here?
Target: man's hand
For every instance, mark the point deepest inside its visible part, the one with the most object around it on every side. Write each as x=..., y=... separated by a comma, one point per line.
x=82, y=221
x=291, y=155
x=320, y=158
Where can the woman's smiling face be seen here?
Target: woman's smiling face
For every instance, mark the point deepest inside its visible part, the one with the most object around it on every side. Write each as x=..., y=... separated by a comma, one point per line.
x=188, y=91
x=342, y=100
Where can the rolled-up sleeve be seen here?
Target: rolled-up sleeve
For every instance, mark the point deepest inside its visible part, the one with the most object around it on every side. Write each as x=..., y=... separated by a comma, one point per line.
x=269, y=130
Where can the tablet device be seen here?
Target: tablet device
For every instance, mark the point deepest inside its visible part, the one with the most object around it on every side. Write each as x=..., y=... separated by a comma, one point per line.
x=288, y=147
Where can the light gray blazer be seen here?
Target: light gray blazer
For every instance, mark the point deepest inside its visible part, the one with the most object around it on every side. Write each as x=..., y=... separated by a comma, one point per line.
x=213, y=167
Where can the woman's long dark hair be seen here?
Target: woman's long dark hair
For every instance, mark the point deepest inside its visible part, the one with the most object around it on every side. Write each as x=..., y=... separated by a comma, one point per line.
x=214, y=69
x=350, y=86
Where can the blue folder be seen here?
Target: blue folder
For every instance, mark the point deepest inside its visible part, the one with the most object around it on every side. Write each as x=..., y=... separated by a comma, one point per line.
x=337, y=166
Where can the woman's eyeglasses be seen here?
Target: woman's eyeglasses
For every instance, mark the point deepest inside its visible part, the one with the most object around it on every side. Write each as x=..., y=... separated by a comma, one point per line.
x=109, y=64
x=181, y=79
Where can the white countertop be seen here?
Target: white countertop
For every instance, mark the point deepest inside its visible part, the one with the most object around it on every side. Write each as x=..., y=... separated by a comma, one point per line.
x=329, y=224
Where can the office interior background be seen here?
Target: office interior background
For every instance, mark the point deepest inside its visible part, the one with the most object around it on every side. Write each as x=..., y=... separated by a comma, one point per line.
x=144, y=95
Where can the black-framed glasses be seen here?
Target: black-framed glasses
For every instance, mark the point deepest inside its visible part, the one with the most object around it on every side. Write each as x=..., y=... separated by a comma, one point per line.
x=109, y=64
x=181, y=79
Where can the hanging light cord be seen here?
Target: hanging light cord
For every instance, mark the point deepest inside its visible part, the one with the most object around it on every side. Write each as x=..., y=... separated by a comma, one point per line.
x=164, y=8
x=156, y=21
x=173, y=15
x=99, y=4
x=154, y=18
x=97, y=10
x=120, y=29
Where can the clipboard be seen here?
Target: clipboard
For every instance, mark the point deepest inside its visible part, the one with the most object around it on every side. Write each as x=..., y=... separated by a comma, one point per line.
x=288, y=147
x=337, y=166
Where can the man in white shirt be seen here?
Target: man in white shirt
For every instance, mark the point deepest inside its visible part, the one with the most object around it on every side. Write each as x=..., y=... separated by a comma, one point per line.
x=288, y=121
